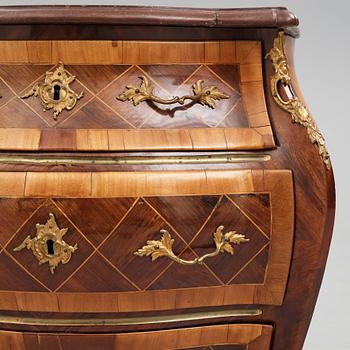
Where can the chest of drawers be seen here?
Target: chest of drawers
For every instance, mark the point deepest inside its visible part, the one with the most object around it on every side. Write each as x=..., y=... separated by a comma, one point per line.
x=162, y=182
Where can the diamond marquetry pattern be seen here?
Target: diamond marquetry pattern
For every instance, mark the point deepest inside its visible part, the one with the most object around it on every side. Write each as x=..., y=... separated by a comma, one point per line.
x=99, y=107
x=109, y=230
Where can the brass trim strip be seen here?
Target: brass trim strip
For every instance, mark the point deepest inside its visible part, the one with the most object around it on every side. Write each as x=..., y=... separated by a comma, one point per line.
x=127, y=321
x=200, y=159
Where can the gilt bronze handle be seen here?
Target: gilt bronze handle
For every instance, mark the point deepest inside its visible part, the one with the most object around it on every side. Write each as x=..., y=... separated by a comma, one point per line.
x=205, y=95
x=164, y=247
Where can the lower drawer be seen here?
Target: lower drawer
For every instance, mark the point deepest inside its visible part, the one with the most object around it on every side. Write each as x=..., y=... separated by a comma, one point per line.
x=224, y=337
x=144, y=241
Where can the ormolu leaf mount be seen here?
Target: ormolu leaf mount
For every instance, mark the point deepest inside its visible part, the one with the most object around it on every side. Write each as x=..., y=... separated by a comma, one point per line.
x=204, y=95
x=164, y=247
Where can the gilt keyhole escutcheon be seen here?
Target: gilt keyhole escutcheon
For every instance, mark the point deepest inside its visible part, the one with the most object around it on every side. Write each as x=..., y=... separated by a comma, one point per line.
x=48, y=245
x=55, y=91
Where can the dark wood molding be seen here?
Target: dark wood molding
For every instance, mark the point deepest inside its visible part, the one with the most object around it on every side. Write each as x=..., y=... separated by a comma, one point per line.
x=278, y=17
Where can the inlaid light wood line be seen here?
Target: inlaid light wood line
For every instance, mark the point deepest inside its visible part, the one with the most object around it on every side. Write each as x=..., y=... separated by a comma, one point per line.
x=199, y=232
x=226, y=114
x=177, y=88
x=96, y=96
x=76, y=270
x=248, y=263
x=18, y=95
x=276, y=181
x=151, y=113
x=115, y=112
x=190, y=248
x=70, y=221
x=142, y=72
x=171, y=263
x=116, y=269
x=222, y=80
x=23, y=224
x=187, y=246
x=33, y=110
x=207, y=219
x=166, y=221
x=10, y=100
x=94, y=250
x=26, y=270
x=82, y=103
x=50, y=68
x=86, y=260
x=190, y=76
x=249, y=218
x=117, y=225
x=131, y=66
x=6, y=103
x=59, y=343
x=178, y=236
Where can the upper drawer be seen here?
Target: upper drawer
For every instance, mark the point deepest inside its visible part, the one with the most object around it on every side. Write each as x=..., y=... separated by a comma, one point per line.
x=223, y=109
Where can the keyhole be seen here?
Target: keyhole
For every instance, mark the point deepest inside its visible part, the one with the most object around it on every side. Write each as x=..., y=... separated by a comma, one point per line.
x=49, y=244
x=56, y=92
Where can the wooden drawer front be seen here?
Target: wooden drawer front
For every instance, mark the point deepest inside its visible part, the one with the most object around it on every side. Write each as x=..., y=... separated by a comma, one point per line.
x=228, y=337
x=101, y=122
x=120, y=212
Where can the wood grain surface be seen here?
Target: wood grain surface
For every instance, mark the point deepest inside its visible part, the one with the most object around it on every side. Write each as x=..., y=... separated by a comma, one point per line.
x=99, y=122
x=189, y=204
x=314, y=196
x=233, y=337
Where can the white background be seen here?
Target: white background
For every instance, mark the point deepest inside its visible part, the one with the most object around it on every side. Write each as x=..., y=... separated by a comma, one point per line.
x=322, y=62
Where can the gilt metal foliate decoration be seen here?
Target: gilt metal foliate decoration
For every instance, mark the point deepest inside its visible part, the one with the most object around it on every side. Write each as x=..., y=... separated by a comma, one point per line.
x=55, y=91
x=48, y=244
x=205, y=95
x=164, y=247
x=294, y=105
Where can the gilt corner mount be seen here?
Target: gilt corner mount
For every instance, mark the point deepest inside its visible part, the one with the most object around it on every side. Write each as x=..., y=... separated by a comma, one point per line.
x=48, y=244
x=55, y=92
x=294, y=106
